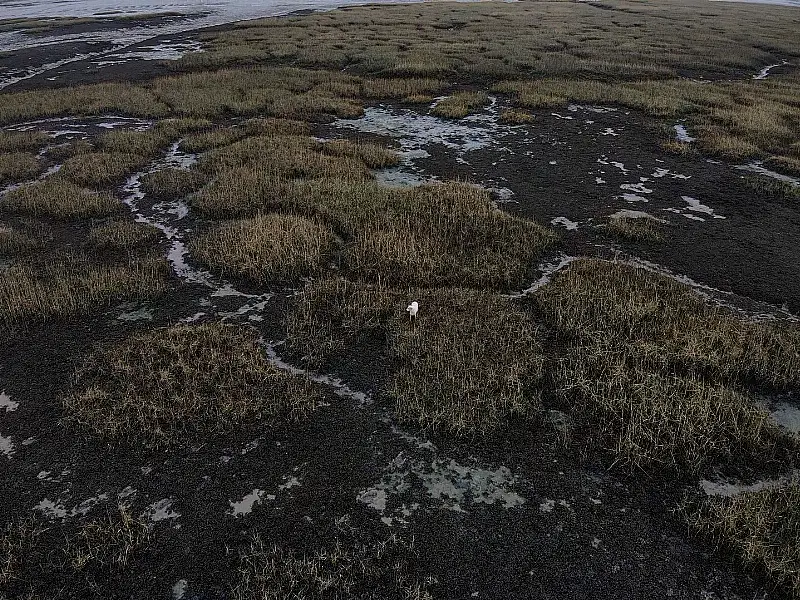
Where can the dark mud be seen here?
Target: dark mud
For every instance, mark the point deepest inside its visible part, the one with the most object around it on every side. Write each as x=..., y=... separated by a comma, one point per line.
x=516, y=515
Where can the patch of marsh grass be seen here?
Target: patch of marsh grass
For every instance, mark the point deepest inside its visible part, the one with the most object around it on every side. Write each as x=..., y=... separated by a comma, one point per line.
x=54, y=560
x=211, y=378
x=267, y=248
x=100, y=169
x=460, y=104
x=762, y=528
x=97, y=99
x=22, y=141
x=372, y=155
x=637, y=229
x=71, y=286
x=667, y=326
x=347, y=569
x=18, y=166
x=60, y=199
x=108, y=544
x=655, y=420
x=14, y=242
x=470, y=361
x=515, y=116
x=122, y=235
x=172, y=184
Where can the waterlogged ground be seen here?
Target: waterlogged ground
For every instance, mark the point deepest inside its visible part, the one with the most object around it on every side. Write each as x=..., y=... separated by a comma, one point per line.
x=517, y=516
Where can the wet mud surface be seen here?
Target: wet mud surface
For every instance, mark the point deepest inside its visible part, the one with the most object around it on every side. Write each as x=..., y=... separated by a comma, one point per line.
x=517, y=515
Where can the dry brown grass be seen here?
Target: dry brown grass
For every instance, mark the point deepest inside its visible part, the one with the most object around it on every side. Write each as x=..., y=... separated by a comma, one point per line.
x=172, y=184
x=347, y=569
x=22, y=141
x=653, y=372
x=210, y=379
x=762, y=528
x=460, y=104
x=448, y=234
x=515, y=116
x=470, y=361
x=107, y=544
x=58, y=561
x=18, y=166
x=95, y=99
x=668, y=326
x=637, y=229
x=267, y=248
x=372, y=155
x=123, y=235
x=14, y=242
x=100, y=169
x=60, y=199
x=70, y=286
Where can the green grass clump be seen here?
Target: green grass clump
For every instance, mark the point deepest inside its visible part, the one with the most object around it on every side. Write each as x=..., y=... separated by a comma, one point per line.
x=642, y=229
x=210, y=379
x=123, y=235
x=60, y=199
x=172, y=184
x=348, y=569
x=18, y=166
x=71, y=286
x=460, y=104
x=762, y=528
x=22, y=141
x=267, y=248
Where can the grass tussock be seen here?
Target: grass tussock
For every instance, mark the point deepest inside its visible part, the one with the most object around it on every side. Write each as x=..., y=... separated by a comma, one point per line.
x=100, y=169
x=107, y=544
x=14, y=242
x=172, y=184
x=372, y=155
x=72, y=286
x=460, y=104
x=668, y=326
x=18, y=166
x=470, y=361
x=444, y=234
x=59, y=199
x=52, y=560
x=515, y=116
x=211, y=379
x=762, y=528
x=653, y=372
x=22, y=141
x=267, y=248
x=636, y=229
x=123, y=235
x=349, y=569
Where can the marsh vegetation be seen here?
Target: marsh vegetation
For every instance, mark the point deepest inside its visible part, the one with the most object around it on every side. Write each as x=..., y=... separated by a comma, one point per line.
x=601, y=363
